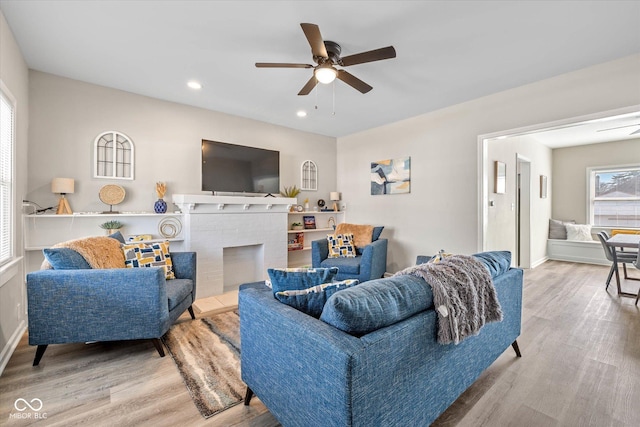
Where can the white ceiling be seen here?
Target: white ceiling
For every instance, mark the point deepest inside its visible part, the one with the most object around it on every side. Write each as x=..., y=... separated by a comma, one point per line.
x=447, y=51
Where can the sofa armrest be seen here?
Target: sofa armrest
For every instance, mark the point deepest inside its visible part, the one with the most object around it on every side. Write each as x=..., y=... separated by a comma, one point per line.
x=299, y=366
x=96, y=305
x=319, y=252
x=374, y=259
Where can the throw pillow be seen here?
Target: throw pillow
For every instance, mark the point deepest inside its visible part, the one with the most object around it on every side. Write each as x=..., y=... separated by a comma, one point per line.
x=362, y=234
x=118, y=236
x=311, y=300
x=149, y=255
x=441, y=255
x=283, y=279
x=580, y=232
x=65, y=259
x=558, y=229
x=341, y=245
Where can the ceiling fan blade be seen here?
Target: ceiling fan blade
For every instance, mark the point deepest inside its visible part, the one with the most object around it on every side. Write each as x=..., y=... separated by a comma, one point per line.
x=309, y=86
x=312, y=32
x=635, y=132
x=370, y=56
x=281, y=65
x=353, y=81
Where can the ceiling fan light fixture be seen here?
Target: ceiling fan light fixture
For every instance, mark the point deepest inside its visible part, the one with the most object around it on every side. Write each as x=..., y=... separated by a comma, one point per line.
x=325, y=74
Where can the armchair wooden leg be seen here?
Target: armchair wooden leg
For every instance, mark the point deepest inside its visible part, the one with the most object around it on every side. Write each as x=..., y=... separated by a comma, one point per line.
x=248, y=396
x=158, y=345
x=193, y=316
x=516, y=348
x=40, y=352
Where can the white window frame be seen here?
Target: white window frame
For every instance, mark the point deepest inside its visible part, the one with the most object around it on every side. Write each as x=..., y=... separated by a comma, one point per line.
x=591, y=190
x=7, y=248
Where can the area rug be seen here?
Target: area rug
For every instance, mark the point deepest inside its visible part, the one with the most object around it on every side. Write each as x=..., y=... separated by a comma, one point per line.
x=207, y=354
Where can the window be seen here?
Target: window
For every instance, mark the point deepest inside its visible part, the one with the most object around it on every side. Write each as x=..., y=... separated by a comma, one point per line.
x=309, y=176
x=113, y=156
x=614, y=199
x=7, y=121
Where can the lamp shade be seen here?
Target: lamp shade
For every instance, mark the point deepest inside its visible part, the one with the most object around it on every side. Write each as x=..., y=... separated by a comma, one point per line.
x=334, y=196
x=62, y=185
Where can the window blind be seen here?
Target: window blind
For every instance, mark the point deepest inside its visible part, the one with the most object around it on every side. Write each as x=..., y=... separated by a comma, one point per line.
x=6, y=177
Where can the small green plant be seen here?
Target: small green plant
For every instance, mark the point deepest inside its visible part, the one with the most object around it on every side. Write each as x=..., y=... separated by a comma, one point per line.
x=296, y=224
x=292, y=191
x=111, y=225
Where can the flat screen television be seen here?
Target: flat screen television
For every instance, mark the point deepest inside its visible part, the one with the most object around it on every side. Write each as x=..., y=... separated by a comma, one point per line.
x=230, y=169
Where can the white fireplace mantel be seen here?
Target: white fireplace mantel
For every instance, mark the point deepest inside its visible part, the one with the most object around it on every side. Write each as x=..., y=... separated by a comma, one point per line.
x=237, y=238
x=194, y=203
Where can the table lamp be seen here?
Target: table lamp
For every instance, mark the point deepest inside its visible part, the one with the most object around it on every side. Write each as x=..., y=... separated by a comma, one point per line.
x=63, y=186
x=335, y=197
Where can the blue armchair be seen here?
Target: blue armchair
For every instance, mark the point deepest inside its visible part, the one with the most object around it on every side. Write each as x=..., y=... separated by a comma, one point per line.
x=67, y=306
x=369, y=265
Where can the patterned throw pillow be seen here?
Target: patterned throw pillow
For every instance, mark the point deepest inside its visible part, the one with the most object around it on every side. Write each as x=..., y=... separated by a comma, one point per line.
x=287, y=279
x=341, y=245
x=149, y=255
x=311, y=300
x=437, y=258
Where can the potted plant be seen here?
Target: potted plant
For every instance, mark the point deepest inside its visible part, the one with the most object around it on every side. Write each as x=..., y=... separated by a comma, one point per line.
x=297, y=226
x=292, y=191
x=111, y=226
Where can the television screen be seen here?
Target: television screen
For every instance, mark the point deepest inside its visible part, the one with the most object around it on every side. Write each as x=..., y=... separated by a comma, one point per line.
x=229, y=168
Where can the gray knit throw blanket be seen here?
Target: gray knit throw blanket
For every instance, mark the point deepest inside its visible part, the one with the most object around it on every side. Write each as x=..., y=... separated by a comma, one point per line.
x=463, y=295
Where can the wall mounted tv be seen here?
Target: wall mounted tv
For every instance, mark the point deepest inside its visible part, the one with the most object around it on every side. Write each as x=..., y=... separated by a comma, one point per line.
x=229, y=169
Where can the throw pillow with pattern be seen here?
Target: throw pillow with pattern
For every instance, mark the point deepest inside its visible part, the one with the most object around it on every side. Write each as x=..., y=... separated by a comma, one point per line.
x=341, y=246
x=149, y=255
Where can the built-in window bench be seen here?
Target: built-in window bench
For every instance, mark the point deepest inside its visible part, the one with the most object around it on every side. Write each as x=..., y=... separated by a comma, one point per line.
x=576, y=251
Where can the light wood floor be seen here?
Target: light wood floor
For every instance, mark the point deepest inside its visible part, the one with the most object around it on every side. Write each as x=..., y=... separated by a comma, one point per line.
x=580, y=367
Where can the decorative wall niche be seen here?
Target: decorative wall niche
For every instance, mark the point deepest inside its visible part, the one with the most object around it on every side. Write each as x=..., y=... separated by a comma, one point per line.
x=113, y=156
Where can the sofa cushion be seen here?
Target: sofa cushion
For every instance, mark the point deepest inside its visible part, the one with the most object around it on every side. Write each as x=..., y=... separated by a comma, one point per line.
x=149, y=255
x=65, y=259
x=497, y=262
x=311, y=300
x=341, y=246
x=177, y=291
x=375, y=304
x=284, y=279
x=345, y=265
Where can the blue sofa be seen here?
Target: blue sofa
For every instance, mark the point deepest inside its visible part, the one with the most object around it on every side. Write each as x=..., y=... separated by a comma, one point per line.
x=68, y=306
x=310, y=373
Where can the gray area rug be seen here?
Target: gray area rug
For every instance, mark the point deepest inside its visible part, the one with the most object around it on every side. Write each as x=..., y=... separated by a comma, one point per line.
x=207, y=354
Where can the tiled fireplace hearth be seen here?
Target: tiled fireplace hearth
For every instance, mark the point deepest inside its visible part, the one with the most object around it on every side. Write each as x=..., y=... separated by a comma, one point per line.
x=237, y=238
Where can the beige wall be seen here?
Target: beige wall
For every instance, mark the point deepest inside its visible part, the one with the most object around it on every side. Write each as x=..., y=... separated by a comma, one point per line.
x=570, y=173
x=67, y=115
x=14, y=75
x=442, y=209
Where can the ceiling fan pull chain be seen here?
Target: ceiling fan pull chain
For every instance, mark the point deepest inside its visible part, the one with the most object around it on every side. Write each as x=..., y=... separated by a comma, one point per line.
x=316, y=91
x=334, y=97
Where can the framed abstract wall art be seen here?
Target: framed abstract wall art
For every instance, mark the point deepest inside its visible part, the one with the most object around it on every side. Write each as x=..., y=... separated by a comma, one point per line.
x=392, y=176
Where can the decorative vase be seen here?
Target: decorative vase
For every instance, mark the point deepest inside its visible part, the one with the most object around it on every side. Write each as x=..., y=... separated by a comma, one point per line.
x=160, y=206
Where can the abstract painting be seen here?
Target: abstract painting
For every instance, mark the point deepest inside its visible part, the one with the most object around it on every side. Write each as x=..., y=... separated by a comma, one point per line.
x=391, y=176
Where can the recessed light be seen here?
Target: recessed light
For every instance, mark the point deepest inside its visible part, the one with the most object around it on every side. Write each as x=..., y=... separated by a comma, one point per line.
x=301, y=113
x=194, y=85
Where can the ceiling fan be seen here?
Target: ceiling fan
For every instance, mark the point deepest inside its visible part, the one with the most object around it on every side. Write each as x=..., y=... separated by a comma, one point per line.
x=326, y=54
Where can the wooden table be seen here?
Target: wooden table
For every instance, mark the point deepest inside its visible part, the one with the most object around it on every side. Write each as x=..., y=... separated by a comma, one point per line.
x=623, y=241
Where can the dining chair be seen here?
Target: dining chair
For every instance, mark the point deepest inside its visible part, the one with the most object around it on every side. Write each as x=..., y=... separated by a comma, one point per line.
x=622, y=257
x=637, y=265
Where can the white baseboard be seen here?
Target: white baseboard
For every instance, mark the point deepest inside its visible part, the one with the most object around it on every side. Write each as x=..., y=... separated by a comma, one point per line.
x=539, y=262
x=13, y=342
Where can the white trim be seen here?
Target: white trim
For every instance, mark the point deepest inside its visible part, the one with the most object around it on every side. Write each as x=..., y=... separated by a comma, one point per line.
x=9, y=270
x=12, y=344
x=483, y=194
